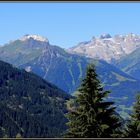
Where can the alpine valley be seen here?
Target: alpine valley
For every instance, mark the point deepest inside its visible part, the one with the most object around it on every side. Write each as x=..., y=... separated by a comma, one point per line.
x=65, y=68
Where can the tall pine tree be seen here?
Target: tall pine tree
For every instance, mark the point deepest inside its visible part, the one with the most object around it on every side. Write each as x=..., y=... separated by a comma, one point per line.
x=133, y=126
x=92, y=116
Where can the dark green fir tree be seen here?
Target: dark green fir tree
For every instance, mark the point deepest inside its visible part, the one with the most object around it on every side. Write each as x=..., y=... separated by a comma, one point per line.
x=133, y=126
x=91, y=116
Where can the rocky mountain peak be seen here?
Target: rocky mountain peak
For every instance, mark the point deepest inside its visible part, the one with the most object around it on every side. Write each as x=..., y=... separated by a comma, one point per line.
x=107, y=47
x=34, y=37
x=103, y=36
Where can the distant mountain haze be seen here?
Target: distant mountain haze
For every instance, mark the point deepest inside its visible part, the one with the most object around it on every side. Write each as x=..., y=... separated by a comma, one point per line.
x=130, y=63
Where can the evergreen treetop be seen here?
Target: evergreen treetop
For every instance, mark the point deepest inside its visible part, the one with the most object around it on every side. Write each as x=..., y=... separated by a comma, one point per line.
x=133, y=125
x=92, y=116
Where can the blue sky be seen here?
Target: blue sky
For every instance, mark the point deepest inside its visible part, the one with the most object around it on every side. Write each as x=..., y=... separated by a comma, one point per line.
x=66, y=23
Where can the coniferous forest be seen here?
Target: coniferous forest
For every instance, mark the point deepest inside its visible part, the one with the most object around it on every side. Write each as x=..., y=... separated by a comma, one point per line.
x=31, y=107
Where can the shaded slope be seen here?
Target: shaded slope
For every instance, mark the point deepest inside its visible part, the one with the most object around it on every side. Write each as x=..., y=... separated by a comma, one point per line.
x=130, y=64
x=29, y=105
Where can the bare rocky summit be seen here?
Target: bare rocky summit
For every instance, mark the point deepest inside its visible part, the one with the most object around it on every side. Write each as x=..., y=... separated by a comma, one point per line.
x=107, y=47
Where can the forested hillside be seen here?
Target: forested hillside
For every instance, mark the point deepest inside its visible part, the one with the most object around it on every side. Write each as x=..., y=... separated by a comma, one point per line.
x=30, y=106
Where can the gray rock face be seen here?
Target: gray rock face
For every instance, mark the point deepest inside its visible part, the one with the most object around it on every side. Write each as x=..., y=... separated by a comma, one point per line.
x=108, y=48
x=103, y=36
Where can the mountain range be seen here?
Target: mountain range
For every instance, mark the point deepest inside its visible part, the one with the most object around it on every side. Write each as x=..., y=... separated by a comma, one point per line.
x=106, y=47
x=66, y=67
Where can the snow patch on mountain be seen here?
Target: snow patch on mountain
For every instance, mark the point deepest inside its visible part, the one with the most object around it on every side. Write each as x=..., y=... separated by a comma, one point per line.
x=28, y=69
x=35, y=37
x=107, y=47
